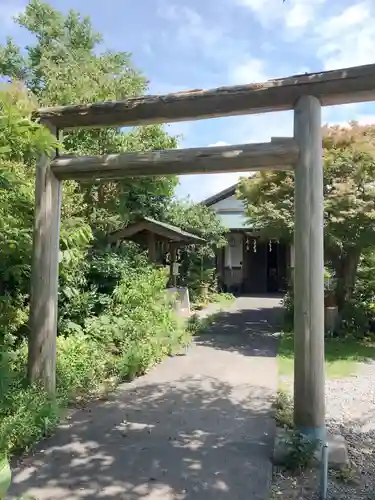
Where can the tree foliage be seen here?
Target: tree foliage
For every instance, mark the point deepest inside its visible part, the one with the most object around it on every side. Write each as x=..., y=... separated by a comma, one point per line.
x=198, y=261
x=349, y=201
x=21, y=140
x=114, y=317
x=198, y=219
x=64, y=66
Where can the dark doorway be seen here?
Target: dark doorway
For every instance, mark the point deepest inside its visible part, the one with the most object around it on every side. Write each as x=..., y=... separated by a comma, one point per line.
x=276, y=267
x=272, y=268
x=265, y=267
x=255, y=267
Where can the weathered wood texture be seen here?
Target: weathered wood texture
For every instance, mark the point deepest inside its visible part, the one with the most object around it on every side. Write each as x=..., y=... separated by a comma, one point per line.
x=279, y=155
x=330, y=87
x=151, y=237
x=309, y=271
x=44, y=276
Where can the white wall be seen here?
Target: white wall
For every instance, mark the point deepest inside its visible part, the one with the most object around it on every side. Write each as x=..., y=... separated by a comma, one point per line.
x=230, y=203
x=235, y=251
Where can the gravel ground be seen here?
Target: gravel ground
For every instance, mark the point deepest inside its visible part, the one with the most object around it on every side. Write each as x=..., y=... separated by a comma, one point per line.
x=350, y=408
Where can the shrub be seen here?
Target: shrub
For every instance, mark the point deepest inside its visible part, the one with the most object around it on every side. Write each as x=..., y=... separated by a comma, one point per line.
x=26, y=412
x=284, y=410
x=134, y=327
x=301, y=451
x=136, y=360
x=355, y=318
x=81, y=366
x=288, y=300
x=27, y=416
x=112, y=332
x=288, y=304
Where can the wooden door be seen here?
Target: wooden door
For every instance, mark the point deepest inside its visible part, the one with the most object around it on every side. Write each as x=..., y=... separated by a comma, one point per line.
x=255, y=267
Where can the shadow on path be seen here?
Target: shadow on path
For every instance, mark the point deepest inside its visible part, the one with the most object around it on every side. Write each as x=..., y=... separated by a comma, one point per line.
x=197, y=427
x=182, y=441
x=251, y=330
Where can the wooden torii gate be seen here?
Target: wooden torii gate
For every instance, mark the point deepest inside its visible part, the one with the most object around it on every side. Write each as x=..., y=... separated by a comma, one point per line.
x=305, y=94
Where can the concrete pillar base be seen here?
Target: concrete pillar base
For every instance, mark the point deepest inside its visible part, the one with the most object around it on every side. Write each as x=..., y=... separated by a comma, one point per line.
x=338, y=457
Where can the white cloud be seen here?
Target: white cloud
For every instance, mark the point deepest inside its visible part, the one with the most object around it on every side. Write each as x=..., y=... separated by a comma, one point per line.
x=260, y=128
x=205, y=36
x=351, y=17
x=342, y=35
x=218, y=143
x=264, y=10
x=292, y=14
x=217, y=182
x=334, y=115
x=366, y=119
x=191, y=29
x=248, y=71
x=361, y=119
x=342, y=39
x=303, y=13
x=239, y=130
x=300, y=15
x=348, y=37
x=202, y=186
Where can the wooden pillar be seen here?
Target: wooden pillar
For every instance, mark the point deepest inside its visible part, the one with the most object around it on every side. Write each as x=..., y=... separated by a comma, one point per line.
x=291, y=263
x=151, y=241
x=173, y=254
x=309, y=271
x=44, y=276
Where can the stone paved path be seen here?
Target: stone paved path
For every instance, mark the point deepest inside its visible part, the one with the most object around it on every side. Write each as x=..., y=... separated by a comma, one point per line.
x=196, y=427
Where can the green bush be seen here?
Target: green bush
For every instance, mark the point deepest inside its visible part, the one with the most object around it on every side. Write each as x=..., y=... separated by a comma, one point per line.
x=288, y=304
x=26, y=413
x=136, y=328
x=355, y=318
x=358, y=313
x=288, y=301
x=81, y=366
x=113, y=316
x=27, y=416
x=137, y=359
x=284, y=410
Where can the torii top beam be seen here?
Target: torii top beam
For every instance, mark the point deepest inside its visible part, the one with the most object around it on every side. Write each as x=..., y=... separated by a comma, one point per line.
x=356, y=84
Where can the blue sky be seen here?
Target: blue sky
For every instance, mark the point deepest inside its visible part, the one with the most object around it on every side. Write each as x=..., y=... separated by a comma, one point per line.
x=191, y=44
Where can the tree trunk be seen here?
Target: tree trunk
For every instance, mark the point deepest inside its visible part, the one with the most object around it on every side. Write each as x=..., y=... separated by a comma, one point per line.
x=346, y=272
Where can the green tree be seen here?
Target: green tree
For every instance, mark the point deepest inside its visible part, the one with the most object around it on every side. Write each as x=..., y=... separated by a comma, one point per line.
x=64, y=66
x=200, y=220
x=21, y=139
x=349, y=202
x=198, y=261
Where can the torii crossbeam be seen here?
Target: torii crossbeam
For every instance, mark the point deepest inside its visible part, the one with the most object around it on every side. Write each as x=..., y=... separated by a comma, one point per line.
x=305, y=94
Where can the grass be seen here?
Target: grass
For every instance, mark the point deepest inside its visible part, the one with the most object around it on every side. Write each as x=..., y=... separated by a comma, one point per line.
x=342, y=356
x=223, y=299
x=196, y=324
